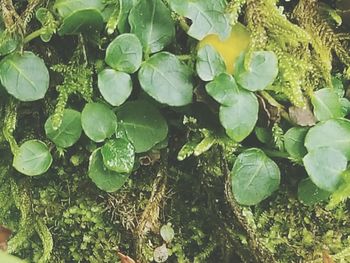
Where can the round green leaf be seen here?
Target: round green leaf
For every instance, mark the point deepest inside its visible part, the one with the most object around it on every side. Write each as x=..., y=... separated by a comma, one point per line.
x=208, y=17
x=310, y=194
x=124, y=53
x=326, y=104
x=166, y=79
x=24, y=76
x=294, y=142
x=82, y=21
x=68, y=133
x=67, y=7
x=118, y=155
x=144, y=125
x=99, y=122
x=325, y=165
x=209, y=63
x=333, y=133
x=167, y=233
x=114, y=86
x=104, y=178
x=254, y=177
x=224, y=89
x=240, y=118
x=33, y=158
x=262, y=70
x=151, y=22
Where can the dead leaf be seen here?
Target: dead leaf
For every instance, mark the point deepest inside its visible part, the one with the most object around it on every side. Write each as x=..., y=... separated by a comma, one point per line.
x=125, y=259
x=302, y=116
x=150, y=158
x=326, y=257
x=4, y=236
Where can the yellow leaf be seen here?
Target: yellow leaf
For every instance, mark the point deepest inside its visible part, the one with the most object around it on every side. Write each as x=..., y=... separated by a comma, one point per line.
x=230, y=48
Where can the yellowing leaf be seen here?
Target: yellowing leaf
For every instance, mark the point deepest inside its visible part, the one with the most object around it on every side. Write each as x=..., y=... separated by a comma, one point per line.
x=230, y=48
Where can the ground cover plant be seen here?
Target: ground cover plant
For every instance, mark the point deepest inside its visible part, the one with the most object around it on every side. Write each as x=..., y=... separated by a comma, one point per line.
x=174, y=131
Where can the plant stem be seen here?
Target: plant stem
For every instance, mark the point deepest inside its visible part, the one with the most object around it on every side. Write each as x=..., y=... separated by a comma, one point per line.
x=33, y=35
x=184, y=57
x=183, y=24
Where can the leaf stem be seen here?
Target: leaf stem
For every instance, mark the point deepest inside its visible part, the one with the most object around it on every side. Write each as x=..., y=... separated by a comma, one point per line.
x=33, y=35
x=182, y=22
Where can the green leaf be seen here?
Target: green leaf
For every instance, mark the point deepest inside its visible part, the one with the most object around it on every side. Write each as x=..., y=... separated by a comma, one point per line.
x=104, y=178
x=24, y=76
x=69, y=132
x=264, y=135
x=66, y=7
x=325, y=165
x=125, y=7
x=114, y=86
x=87, y=21
x=99, y=121
x=143, y=123
x=48, y=22
x=208, y=17
x=333, y=133
x=7, y=258
x=118, y=155
x=294, y=142
x=33, y=158
x=124, y=53
x=239, y=119
x=166, y=79
x=224, y=89
x=310, y=194
x=254, y=177
x=326, y=104
x=209, y=63
x=167, y=233
x=151, y=22
x=262, y=70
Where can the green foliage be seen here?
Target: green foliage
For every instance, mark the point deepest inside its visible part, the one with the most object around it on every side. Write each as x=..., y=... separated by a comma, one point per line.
x=294, y=142
x=124, y=53
x=165, y=85
x=105, y=179
x=33, y=158
x=69, y=132
x=326, y=105
x=8, y=258
x=310, y=194
x=165, y=123
x=24, y=76
x=151, y=22
x=209, y=63
x=98, y=121
x=143, y=124
x=333, y=133
x=260, y=72
x=254, y=177
x=325, y=166
x=207, y=17
x=115, y=87
x=118, y=155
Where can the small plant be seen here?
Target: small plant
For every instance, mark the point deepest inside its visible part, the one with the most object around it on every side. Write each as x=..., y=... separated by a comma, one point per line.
x=109, y=84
